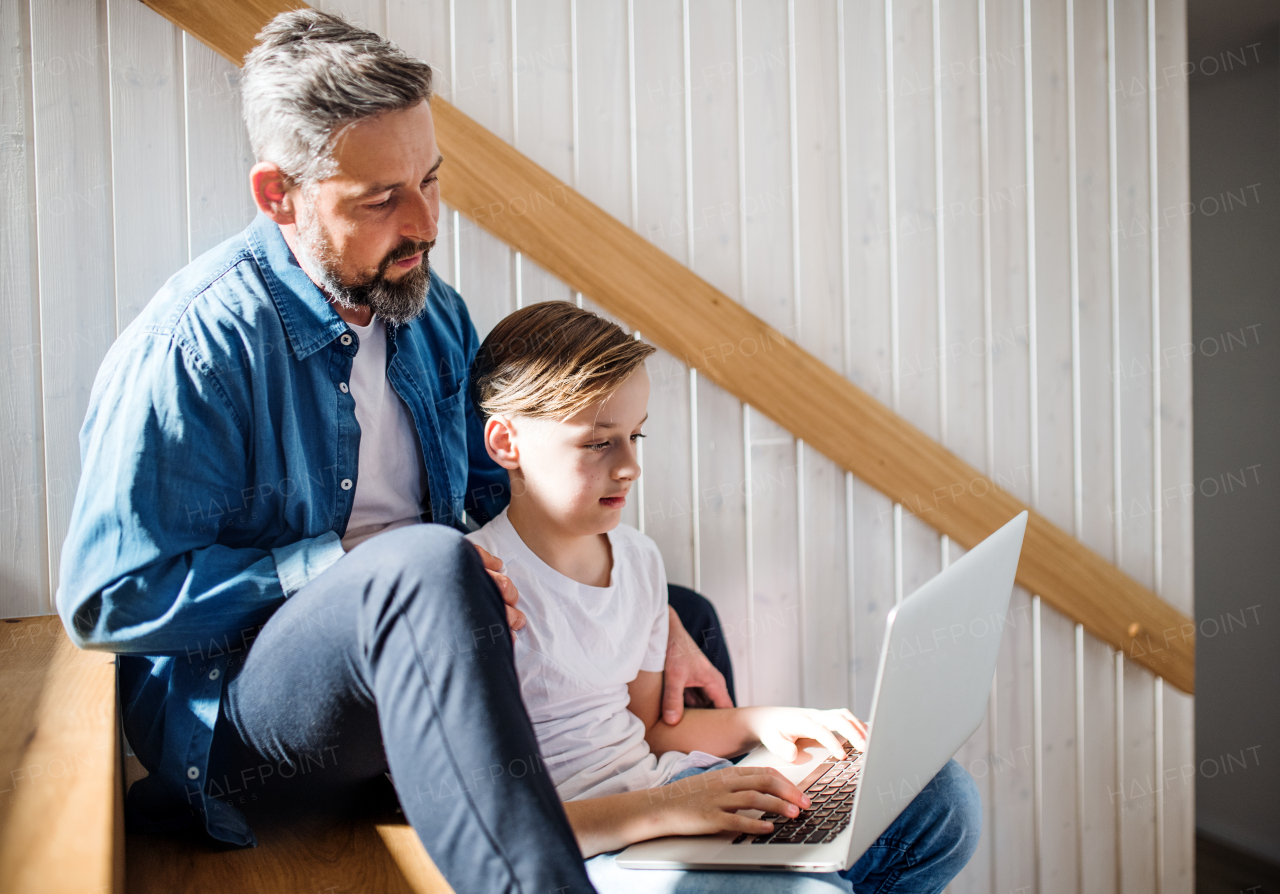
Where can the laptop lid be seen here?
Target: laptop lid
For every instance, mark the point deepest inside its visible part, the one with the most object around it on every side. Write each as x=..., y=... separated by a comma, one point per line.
x=936, y=667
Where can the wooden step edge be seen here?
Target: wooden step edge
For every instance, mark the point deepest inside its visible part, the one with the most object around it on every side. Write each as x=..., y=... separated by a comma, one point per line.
x=61, y=793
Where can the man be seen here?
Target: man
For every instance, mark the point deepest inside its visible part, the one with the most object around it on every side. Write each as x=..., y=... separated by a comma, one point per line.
x=261, y=446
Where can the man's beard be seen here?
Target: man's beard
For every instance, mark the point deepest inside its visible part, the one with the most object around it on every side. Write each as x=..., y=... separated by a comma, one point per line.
x=396, y=301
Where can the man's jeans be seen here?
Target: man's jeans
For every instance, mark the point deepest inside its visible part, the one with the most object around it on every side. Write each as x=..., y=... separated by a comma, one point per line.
x=411, y=621
x=925, y=847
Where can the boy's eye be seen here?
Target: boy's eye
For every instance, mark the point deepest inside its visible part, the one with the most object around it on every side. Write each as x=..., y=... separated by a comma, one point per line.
x=637, y=435
x=600, y=446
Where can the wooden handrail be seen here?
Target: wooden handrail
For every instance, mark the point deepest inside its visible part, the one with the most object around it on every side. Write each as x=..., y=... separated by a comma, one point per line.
x=501, y=190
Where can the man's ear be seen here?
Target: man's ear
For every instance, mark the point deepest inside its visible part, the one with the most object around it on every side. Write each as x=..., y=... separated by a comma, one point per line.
x=500, y=442
x=271, y=192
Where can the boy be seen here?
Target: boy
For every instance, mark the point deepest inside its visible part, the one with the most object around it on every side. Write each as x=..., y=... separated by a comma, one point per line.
x=565, y=396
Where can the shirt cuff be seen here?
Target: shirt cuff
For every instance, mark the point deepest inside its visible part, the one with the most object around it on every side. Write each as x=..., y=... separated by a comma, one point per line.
x=300, y=563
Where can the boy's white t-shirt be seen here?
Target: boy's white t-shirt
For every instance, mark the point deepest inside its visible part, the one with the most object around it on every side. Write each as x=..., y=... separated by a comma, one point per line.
x=581, y=646
x=391, y=485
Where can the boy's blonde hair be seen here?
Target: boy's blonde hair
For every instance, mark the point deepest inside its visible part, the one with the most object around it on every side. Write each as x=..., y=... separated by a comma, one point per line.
x=552, y=359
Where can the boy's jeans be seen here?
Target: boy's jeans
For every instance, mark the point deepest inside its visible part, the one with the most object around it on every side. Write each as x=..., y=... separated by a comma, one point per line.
x=926, y=847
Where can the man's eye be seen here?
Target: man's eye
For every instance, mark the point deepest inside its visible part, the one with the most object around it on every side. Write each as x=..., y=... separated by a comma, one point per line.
x=384, y=203
x=430, y=181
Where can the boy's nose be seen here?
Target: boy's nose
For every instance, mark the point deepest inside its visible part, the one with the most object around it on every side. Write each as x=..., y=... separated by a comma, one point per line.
x=629, y=468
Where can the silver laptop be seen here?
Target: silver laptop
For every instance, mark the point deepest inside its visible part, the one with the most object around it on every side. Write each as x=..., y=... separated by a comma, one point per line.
x=936, y=668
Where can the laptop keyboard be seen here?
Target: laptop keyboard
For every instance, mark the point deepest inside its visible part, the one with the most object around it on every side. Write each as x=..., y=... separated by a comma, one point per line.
x=832, y=797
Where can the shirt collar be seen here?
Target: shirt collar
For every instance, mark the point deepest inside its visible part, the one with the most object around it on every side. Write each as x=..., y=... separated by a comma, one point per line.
x=309, y=318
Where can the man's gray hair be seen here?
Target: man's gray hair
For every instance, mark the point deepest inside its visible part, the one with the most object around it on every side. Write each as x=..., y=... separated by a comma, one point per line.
x=313, y=73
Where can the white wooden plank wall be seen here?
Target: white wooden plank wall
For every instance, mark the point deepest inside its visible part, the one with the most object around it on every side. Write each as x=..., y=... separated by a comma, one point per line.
x=949, y=201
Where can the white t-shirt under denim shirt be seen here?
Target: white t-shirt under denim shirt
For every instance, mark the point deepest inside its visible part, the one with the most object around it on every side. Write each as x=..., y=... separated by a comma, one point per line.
x=391, y=480
x=581, y=647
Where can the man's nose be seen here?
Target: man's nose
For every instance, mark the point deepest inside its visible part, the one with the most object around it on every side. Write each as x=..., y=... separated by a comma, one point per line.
x=421, y=219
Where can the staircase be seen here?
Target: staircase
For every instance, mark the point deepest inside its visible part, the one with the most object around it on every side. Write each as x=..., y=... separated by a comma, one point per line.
x=62, y=781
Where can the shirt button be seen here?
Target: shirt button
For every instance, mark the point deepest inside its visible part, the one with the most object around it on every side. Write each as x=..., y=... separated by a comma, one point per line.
x=342, y=386
x=346, y=338
x=193, y=772
x=346, y=484
x=213, y=674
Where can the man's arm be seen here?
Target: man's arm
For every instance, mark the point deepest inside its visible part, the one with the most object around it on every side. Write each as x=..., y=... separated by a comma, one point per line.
x=164, y=469
x=687, y=668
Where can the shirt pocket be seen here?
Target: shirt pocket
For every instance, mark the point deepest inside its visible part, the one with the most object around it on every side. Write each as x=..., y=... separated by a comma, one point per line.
x=451, y=422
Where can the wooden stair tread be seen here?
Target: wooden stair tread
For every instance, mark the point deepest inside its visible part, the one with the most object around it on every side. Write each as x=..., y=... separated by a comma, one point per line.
x=61, y=805
x=312, y=854
x=370, y=849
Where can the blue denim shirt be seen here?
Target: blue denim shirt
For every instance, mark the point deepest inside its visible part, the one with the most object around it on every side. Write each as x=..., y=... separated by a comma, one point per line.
x=218, y=469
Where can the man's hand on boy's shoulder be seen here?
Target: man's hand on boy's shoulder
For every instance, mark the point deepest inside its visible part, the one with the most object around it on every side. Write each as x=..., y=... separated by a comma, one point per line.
x=688, y=668
x=510, y=595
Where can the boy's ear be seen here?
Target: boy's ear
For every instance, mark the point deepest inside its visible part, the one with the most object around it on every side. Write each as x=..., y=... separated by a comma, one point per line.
x=500, y=442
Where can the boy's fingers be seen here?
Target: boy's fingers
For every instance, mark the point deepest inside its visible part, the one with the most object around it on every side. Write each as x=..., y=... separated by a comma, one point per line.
x=825, y=738
x=767, y=803
x=860, y=741
x=779, y=744
x=851, y=732
x=853, y=718
x=839, y=721
x=773, y=783
x=736, y=822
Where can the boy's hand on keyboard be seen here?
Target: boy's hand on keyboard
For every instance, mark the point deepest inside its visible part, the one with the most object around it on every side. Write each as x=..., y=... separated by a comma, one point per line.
x=779, y=728
x=708, y=802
